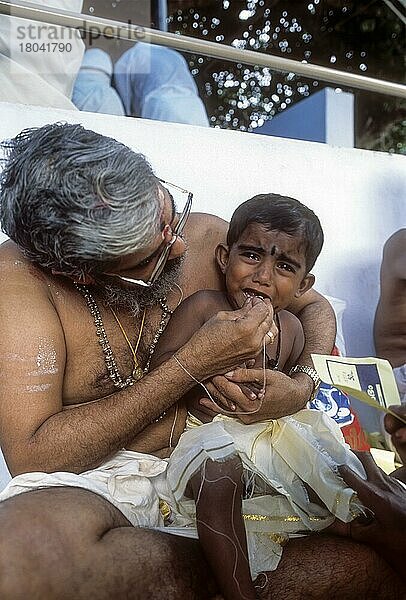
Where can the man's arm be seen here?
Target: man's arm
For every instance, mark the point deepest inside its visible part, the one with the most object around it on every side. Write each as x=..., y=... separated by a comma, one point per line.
x=38, y=435
x=319, y=325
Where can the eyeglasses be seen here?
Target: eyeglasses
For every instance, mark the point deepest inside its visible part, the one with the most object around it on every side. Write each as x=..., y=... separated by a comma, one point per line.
x=164, y=255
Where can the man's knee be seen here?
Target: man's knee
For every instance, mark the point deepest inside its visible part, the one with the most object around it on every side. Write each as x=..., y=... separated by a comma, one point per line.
x=44, y=534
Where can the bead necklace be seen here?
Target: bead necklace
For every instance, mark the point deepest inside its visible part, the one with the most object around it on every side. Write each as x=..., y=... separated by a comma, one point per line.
x=109, y=358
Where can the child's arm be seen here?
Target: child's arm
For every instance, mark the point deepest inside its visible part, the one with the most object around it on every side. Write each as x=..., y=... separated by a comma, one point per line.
x=190, y=315
x=293, y=335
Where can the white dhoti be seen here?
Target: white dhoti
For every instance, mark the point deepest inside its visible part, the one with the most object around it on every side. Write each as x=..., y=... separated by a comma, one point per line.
x=283, y=455
x=135, y=483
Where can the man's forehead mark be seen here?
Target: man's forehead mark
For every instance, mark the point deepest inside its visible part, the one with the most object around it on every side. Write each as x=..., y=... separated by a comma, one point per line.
x=273, y=250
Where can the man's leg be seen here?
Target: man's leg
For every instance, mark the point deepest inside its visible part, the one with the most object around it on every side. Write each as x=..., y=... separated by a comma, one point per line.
x=320, y=567
x=92, y=91
x=155, y=83
x=65, y=543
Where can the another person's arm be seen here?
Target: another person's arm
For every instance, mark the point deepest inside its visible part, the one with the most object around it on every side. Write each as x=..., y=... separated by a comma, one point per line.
x=385, y=497
x=397, y=430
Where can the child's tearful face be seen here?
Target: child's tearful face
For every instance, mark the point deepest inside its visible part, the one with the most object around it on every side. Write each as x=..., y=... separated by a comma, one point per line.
x=267, y=264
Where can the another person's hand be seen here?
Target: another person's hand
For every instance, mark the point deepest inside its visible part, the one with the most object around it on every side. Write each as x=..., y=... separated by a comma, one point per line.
x=397, y=430
x=283, y=395
x=385, y=496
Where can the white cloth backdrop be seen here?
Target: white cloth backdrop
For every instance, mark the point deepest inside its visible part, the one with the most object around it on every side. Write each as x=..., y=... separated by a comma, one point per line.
x=359, y=196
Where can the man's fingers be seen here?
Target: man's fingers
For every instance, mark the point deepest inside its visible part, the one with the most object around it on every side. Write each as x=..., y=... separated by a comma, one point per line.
x=218, y=397
x=231, y=391
x=365, y=489
x=209, y=405
x=351, y=479
x=374, y=473
x=255, y=376
x=214, y=407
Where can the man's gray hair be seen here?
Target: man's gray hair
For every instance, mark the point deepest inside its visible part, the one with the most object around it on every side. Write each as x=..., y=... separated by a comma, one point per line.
x=75, y=201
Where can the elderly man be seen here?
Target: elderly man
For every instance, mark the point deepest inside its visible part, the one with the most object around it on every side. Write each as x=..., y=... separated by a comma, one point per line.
x=89, y=282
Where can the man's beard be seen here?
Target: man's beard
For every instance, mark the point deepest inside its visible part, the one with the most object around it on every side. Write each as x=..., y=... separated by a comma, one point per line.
x=136, y=298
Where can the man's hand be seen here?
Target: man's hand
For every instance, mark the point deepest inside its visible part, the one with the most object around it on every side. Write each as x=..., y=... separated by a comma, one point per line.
x=397, y=430
x=282, y=396
x=228, y=339
x=385, y=497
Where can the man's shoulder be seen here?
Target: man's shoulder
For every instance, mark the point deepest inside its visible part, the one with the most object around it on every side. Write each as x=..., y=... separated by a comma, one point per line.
x=203, y=226
x=210, y=298
x=15, y=263
x=203, y=233
x=20, y=275
x=393, y=264
x=399, y=237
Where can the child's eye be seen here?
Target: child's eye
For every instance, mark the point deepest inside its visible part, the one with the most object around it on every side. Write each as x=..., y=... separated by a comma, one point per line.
x=251, y=255
x=286, y=267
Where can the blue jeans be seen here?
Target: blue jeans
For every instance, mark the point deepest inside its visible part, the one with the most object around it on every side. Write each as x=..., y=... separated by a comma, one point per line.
x=147, y=81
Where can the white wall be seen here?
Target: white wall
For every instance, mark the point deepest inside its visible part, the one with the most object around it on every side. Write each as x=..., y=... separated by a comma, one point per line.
x=360, y=196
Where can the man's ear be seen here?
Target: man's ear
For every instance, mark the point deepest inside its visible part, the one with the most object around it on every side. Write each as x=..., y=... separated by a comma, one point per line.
x=305, y=285
x=222, y=254
x=84, y=279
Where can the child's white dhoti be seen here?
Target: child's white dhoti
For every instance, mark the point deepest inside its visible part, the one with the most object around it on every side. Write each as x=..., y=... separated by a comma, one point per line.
x=283, y=455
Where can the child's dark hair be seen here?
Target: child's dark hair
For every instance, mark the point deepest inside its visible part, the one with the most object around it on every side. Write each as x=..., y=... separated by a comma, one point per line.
x=279, y=213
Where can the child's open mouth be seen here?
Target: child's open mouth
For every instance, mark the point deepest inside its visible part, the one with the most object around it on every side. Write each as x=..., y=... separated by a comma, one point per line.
x=249, y=293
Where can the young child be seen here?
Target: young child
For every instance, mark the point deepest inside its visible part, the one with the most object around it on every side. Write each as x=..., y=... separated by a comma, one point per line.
x=265, y=481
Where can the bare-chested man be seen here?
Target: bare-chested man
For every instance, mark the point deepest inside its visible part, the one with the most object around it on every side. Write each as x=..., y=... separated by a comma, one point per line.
x=90, y=222
x=390, y=317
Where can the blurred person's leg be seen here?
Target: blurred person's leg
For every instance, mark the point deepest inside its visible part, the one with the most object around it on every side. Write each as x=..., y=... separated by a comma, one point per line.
x=155, y=83
x=92, y=91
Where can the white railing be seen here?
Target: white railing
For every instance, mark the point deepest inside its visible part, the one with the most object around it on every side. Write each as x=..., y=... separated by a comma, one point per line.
x=131, y=32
